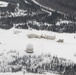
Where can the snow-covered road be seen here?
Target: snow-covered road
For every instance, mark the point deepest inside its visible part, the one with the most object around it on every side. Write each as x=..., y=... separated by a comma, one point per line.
x=45, y=7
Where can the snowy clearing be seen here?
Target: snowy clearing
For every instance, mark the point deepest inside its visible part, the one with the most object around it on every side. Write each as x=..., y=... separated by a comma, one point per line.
x=10, y=41
x=3, y=4
x=21, y=73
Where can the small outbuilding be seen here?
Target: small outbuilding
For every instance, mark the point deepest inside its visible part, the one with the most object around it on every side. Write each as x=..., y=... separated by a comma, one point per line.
x=60, y=40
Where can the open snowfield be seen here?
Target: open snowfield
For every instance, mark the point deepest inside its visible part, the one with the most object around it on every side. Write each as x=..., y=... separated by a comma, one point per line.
x=21, y=73
x=3, y=4
x=10, y=41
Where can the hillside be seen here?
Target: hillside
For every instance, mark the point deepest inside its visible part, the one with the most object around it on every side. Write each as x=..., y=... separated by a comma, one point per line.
x=24, y=4
x=31, y=44
x=50, y=20
x=66, y=6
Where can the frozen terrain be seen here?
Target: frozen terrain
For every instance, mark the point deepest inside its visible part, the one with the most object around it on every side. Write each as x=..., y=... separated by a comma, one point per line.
x=19, y=40
x=21, y=73
x=3, y=4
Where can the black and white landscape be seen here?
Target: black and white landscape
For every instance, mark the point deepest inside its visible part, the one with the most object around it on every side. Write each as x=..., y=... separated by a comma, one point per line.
x=37, y=37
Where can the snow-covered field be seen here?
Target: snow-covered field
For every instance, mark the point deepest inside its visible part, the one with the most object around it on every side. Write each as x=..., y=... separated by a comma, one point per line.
x=10, y=41
x=3, y=4
x=21, y=73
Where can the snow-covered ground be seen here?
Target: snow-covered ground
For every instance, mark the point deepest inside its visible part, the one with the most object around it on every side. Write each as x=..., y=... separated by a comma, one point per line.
x=3, y=4
x=21, y=73
x=10, y=41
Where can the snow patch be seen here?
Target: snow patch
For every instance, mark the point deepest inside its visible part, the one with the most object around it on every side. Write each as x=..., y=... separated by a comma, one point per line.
x=3, y=4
